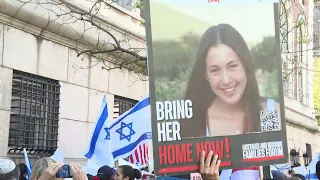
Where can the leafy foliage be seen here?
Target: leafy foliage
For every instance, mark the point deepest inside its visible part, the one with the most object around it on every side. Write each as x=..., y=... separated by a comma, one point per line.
x=176, y=56
x=263, y=54
x=172, y=89
x=316, y=85
x=270, y=86
x=172, y=72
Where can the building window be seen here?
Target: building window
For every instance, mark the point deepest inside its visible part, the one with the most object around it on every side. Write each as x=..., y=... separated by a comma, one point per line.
x=300, y=86
x=309, y=150
x=302, y=62
x=300, y=92
x=300, y=56
x=286, y=78
x=284, y=28
x=124, y=3
x=288, y=75
x=122, y=104
x=294, y=158
x=34, y=114
x=287, y=39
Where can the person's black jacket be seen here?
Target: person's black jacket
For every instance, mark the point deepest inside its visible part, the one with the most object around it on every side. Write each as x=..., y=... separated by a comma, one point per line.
x=23, y=178
x=90, y=177
x=277, y=175
x=299, y=176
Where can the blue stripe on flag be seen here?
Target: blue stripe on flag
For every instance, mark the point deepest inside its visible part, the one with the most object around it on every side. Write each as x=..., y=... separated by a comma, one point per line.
x=102, y=119
x=131, y=146
x=140, y=105
x=311, y=176
x=97, y=130
x=29, y=170
x=27, y=162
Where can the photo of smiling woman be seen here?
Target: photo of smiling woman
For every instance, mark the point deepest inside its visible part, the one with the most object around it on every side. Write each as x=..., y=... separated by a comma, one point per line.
x=223, y=87
x=216, y=85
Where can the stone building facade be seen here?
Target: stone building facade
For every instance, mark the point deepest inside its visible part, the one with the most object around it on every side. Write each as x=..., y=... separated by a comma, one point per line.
x=50, y=97
x=296, y=22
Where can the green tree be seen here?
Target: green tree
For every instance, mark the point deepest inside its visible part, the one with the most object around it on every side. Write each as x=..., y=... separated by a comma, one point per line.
x=265, y=59
x=263, y=54
x=172, y=72
x=176, y=56
x=316, y=86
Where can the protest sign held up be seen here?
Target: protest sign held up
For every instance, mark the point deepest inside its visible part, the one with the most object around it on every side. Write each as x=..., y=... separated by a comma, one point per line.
x=212, y=86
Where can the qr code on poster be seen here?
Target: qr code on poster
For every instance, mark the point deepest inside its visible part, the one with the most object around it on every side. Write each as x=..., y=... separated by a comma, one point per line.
x=270, y=120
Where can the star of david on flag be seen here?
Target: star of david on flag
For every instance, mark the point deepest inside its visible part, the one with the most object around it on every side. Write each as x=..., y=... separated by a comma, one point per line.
x=118, y=138
x=130, y=129
x=108, y=133
x=99, y=150
x=122, y=128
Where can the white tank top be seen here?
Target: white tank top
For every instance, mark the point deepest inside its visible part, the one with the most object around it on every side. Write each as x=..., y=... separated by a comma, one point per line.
x=242, y=174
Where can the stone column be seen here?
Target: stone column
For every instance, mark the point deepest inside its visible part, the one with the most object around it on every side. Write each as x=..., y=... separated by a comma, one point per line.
x=5, y=107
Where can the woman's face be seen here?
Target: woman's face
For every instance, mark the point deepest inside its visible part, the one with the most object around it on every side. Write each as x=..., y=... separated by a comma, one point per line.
x=225, y=73
x=119, y=175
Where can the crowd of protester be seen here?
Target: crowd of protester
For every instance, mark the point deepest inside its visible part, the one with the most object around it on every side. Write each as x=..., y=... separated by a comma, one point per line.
x=209, y=170
x=47, y=169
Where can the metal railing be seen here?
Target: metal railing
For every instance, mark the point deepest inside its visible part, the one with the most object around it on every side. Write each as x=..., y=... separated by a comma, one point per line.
x=34, y=114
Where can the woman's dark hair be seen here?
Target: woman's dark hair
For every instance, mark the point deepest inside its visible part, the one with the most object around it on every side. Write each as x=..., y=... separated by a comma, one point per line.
x=199, y=90
x=318, y=169
x=90, y=177
x=318, y=175
x=13, y=175
x=23, y=168
x=128, y=171
x=302, y=177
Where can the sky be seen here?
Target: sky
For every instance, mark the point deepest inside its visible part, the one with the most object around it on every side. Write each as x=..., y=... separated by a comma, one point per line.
x=254, y=19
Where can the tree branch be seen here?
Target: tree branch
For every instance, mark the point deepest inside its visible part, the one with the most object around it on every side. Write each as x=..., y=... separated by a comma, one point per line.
x=97, y=38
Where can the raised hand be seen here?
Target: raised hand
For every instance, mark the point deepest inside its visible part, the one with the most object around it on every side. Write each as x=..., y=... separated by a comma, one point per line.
x=51, y=171
x=77, y=172
x=208, y=170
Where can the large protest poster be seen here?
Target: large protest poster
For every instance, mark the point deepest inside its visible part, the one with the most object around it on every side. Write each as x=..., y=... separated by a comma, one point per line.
x=215, y=83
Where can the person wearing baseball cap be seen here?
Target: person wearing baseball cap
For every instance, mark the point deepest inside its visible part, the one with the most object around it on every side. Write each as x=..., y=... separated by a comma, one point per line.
x=23, y=171
x=300, y=176
x=105, y=173
x=8, y=170
x=318, y=169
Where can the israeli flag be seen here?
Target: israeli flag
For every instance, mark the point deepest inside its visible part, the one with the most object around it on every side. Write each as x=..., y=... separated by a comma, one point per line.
x=28, y=164
x=311, y=170
x=130, y=129
x=300, y=170
x=226, y=174
x=99, y=150
x=91, y=168
x=57, y=156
